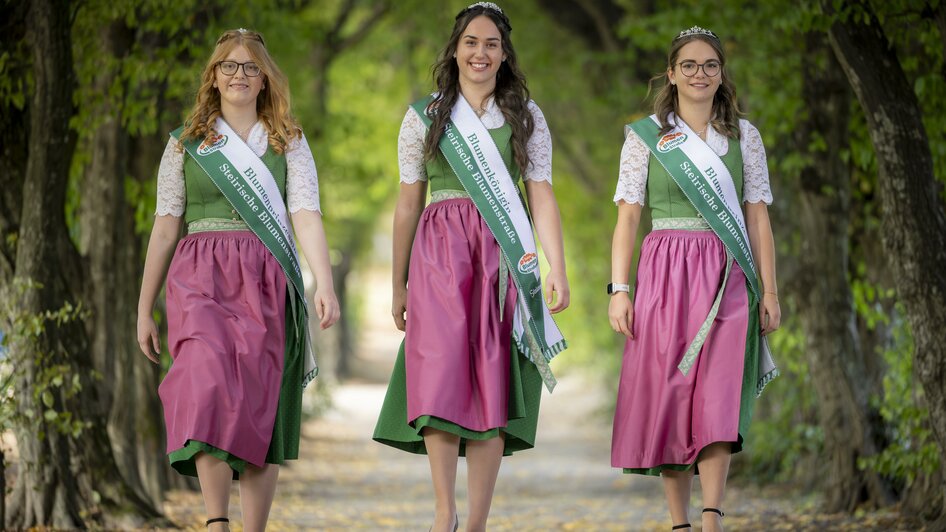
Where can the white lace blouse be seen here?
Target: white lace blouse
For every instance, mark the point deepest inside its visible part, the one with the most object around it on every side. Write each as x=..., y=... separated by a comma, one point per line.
x=302, y=180
x=410, y=144
x=635, y=156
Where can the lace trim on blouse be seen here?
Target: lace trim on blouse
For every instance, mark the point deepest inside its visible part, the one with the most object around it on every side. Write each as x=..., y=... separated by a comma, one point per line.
x=302, y=180
x=635, y=157
x=410, y=144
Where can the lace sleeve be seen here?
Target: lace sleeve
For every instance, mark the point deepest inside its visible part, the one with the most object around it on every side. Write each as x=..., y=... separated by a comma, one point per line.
x=302, y=180
x=171, y=193
x=410, y=149
x=632, y=177
x=539, y=148
x=755, y=185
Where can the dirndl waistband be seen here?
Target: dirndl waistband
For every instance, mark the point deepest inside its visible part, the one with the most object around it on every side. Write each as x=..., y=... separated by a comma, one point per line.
x=686, y=224
x=216, y=224
x=448, y=194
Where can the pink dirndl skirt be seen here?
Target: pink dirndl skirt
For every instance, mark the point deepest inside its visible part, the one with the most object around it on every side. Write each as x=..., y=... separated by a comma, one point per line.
x=226, y=304
x=456, y=347
x=663, y=417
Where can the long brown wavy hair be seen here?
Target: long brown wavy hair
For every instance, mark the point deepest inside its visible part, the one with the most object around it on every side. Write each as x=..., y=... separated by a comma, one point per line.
x=272, y=102
x=511, y=93
x=726, y=113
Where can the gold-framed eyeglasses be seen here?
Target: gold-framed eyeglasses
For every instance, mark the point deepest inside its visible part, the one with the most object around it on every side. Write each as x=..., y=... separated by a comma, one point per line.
x=711, y=68
x=229, y=68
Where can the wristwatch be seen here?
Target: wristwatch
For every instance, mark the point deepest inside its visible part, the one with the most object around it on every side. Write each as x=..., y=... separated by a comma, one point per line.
x=616, y=287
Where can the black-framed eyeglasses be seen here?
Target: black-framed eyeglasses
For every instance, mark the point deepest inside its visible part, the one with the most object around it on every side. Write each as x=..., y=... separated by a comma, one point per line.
x=710, y=68
x=229, y=68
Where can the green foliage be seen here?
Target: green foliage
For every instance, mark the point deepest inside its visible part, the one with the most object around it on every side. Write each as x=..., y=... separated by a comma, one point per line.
x=54, y=381
x=912, y=449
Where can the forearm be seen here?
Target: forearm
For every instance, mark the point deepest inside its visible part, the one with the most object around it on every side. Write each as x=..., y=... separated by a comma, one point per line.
x=763, y=244
x=310, y=232
x=161, y=244
x=410, y=205
x=623, y=241
x=548, y=223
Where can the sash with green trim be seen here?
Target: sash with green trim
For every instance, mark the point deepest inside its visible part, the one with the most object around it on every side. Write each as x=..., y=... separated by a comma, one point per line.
x=478, y=163
x=247, y=183
x=705, y=180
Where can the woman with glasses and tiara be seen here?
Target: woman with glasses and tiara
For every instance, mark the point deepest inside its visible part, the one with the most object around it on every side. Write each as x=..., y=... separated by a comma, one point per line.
x=478, y=329
x=232, y=176
x=695, y=357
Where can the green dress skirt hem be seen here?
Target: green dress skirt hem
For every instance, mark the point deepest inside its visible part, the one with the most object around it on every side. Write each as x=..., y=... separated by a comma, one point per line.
x=525, y=392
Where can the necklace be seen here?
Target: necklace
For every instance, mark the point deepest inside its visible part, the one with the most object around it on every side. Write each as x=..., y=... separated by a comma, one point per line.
x=245, y=131
x=701, y=133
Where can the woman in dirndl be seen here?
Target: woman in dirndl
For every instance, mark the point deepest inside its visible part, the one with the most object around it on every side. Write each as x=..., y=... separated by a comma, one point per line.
x=237, y=330
x=694, y=358
x=466, y=383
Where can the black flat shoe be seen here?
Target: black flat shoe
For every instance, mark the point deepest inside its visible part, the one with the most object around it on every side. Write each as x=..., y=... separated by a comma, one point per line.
x=680, y=527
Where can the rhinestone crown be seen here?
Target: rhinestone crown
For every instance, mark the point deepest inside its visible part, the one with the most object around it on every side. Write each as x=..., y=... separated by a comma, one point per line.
x=696, y=30
x=487, y=5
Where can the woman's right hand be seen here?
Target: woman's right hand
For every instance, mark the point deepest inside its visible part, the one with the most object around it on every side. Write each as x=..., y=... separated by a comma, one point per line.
x=148, y=340
x=399, y=308
x=621, y=314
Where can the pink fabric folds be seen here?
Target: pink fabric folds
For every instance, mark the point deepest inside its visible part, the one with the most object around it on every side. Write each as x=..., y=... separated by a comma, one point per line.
x=226, y=298
x=456, y=348
x=665, y=417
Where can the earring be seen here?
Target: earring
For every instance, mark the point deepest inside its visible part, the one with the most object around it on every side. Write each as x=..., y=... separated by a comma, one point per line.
x=215, y=84
x=672, y=82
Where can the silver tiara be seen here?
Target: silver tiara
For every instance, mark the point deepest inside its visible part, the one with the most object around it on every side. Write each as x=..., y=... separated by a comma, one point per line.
x=487, y=5
x=696, y=30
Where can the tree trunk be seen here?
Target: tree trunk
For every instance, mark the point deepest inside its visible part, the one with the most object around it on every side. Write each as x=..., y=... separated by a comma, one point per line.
x=14, y=126
x=914, y=221
x=62, y=481
x=112, y=247
x=836, y=361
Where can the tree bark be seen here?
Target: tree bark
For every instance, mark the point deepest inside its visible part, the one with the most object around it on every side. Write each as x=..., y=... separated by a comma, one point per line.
x=62, y=482
x=914, y=221
x=835, y=358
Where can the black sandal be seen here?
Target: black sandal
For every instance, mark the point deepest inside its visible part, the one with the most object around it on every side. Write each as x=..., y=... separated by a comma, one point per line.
x=714, y=510
x=217, y=520
x=680, y=527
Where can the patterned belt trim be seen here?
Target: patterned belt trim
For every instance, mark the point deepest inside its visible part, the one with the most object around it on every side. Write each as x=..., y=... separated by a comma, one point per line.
x=216, y=224
x=687, y=224
x=447, y=194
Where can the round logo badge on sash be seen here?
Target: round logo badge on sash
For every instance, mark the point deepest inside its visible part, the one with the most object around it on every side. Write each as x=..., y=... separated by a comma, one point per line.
x=528, y=263
x=670, y=141
x=211, y=144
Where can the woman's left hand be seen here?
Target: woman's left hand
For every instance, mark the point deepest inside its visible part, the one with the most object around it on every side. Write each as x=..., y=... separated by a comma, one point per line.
x=326, y=306
x=556, y=289
x=770, y=315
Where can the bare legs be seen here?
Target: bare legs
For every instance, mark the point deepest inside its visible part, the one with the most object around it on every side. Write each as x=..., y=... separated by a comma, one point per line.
x=483, y=460
x=443, y=450
x=677, y=486
x=257, y=488
x=714, y=467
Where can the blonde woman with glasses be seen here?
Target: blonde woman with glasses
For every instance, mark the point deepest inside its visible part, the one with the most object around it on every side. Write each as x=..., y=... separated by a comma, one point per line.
x=239, y=178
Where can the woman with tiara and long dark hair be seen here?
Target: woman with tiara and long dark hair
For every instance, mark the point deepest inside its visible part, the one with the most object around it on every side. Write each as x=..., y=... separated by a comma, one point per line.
x=467, y=292
x=695, y=357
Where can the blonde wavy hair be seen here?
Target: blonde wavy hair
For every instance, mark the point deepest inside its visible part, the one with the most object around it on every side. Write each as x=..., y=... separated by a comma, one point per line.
x=272, y=102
